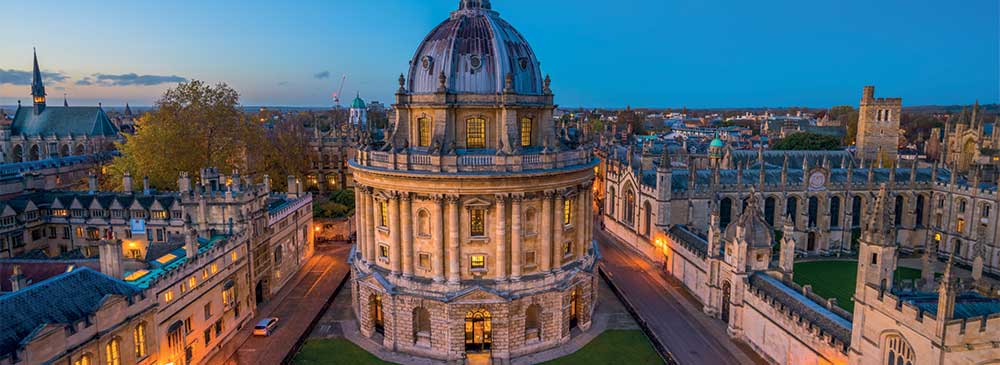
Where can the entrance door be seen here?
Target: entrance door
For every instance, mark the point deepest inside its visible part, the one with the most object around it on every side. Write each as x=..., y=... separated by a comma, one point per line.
x=812, y=242
x=478, y=331
x=378, y=318
x=726, y=288
x=574, y=308
x=259, y=291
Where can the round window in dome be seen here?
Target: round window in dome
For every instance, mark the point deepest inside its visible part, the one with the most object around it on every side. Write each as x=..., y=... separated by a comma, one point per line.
x=427, y=62
x=476, y=62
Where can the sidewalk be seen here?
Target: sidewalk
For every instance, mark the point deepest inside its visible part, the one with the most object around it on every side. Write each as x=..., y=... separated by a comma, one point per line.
x=296, y=305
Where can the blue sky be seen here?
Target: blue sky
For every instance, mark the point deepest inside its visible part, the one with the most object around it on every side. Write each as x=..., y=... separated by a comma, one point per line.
x=655, y=53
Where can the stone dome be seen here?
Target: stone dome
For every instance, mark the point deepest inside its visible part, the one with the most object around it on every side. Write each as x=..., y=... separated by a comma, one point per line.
x=755, y=230
x=475, y=50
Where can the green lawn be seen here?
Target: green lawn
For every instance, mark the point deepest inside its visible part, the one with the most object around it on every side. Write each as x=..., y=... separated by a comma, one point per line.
x=335, y=351
x=611, y=347
x=836, y=279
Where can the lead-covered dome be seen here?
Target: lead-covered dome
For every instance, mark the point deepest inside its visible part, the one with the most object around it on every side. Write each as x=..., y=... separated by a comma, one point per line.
x=475, y=50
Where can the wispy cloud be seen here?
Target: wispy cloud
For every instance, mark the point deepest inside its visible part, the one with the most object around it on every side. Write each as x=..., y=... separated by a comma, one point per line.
x=86, y=81
x=18, y=77
x=322, y=75
x=131, y=79
x=283, y=83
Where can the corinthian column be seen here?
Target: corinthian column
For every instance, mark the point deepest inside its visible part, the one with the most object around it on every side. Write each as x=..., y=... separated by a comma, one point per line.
x=437, y=236
x=515, y=236
x=454, y=251
x=395, y=260
x=406, y=218
x=359, y=223
x=560, y=226
x=581, y=222
x=370, y=225
x=545, y=246
x=501, y=241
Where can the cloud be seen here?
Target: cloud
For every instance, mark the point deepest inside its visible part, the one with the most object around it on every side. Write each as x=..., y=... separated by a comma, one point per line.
x=283, y=83
x=322, y=75
x=131, y=79
x=18, y=77
x=86, y=81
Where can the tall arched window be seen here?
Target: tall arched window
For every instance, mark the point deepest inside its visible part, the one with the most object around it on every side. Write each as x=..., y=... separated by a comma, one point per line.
x=18, y=153
x=920, y=210
x=835, y=212
x=112, y=352
x=383, y=213
x=424, y=132
x=769, y=210
x=85, y=359
x=33, y=153
x=475, y=133
x=725, y=212
x=813, y=211
x=64, y=150
x=897, y=351
x=856, y=212
x=899, y=210
x=647, y=217
x=961, y=206
x=611, y=202
x=532, y=323
x=79, y=150
x=525, y=132
x=792, y=207
x=139, y=337
x=629, y=208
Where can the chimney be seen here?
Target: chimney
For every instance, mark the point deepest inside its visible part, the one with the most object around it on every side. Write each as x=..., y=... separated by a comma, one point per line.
x=267, y=184
x=237, y=181
x=127, y=182
x=92, y=183
x=293, y=186
x=111, y=258
x=145, y=185
x=17, y=279
x=184, y=183
x=191, y=244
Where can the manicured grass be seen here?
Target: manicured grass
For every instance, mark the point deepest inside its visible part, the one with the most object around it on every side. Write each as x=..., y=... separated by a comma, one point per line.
x=836, y=279
x=613, y=347
x=335, y=351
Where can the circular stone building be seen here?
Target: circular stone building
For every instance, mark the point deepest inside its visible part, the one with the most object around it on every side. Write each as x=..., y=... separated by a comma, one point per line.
x=474, y=209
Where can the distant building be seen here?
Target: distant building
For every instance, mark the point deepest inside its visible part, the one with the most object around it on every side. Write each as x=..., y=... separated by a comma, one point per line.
x=878, y=127
x=970, y=144
x=359, y=113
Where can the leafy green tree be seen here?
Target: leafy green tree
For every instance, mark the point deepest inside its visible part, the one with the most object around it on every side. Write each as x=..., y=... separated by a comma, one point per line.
x=338, y=204
x=807, y=142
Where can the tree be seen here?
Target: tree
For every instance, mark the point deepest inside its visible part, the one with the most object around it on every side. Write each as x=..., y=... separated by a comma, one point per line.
x=807, y=142
x=338, y=204
x=848, y=117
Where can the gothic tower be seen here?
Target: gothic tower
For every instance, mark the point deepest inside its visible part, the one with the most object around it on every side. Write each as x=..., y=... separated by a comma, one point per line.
x=37, y=88
x=878, y=127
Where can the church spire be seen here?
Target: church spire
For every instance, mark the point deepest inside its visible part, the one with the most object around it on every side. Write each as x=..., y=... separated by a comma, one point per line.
x=37, y=87
x=65, y=102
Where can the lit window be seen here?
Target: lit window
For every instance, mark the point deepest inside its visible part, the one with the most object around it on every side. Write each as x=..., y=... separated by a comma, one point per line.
x=383, y=210
x=478, y=262
x=424, y=129
x=84, y=360
x=424, y=261
x=475, y=133
x=139, y=336
x=113, y=352
x=525, y=132
x=567, y=212
x=477, y=224
x=168, y=296
x=215, y=268
x=383, y=252
x=960, y=227
x=192, y=282
x=567, y=248
x=233, y=256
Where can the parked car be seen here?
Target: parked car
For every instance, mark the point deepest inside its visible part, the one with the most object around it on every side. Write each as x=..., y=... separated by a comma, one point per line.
x=265, y=327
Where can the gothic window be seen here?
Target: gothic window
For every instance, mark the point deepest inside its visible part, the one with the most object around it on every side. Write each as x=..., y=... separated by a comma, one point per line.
x=64, y=151
x=629, y=207
x=960, y=226
x=961, y=206
x=920, y=210
x=899, y=210
x=567, y=212
x=813, y=210
x=647, y=217
x=112, y=352
x=611, y=202
x=139, y=337
x=525, y=132
x=477, y=222
x=424, y=129
x=18, y=153
x=986, y=210
x=475, y=133
x=79, y=150
x=423, y=223
x=856, y=212
x=897, y=351
x=86, y=359
x=792, y=207
x=277, y=255
x=725, y=213
x=835, y=212
x=769, y=210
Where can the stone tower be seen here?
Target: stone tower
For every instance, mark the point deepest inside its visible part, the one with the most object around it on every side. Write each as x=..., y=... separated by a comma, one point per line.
x=878, y=127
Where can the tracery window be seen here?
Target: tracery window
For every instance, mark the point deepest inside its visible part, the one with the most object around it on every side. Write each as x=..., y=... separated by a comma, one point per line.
x=424, y=130
x=898, y=352
x=629, y=207
x=113, y=352
x=475, y=133
x=139, y=336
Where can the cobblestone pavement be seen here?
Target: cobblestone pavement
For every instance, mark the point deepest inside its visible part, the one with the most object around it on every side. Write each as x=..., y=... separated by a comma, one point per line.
x=296, y=306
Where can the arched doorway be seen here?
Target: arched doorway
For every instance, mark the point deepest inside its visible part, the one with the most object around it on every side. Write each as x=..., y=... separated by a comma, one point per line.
x=478, y=331
x=726, y=289
x=574, y=308
x=259, y=292
x=811, y=246
x=34, y=154
x=725, y=213
x=377, y=316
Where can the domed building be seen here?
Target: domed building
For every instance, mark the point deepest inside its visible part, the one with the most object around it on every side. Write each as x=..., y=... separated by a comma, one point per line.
x=474, y=209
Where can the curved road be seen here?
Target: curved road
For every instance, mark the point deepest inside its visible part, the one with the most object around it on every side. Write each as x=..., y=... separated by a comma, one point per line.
x=669, y=311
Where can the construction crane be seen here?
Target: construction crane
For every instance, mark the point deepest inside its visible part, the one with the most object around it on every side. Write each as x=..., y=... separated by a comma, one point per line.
x=336, y=95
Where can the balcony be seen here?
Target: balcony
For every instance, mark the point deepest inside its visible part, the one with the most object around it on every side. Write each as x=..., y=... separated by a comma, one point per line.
x=474, y=161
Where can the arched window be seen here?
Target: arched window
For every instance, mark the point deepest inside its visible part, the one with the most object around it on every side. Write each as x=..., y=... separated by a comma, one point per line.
x=525, y=132
x=961, y=206
x=18, y=153
x=920, y=210
x=383, y=213
x=629, y=208
x=421, y=326
x=475, y=133
x=899, y=210
x=112, y=352
x=986, y=210
x=897, y=351
x=375, y=311
x=33, y=153
x=813, y=211
x=64, y=150
x=532, y=324
x=423, y=223
x=139, y=337
x=611, y=202
x=529, y=221
x=835, y=212
x=424, y=132
x=792, y=207
x=769, y=210
x=79, y=150
x=85, y=359
x=567, y=212
x=277, y=255
x=647, y=217
x=856, y=212
x=725, y=212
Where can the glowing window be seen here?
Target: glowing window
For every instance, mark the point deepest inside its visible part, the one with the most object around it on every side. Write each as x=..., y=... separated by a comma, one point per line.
x=475, y=133
x=383, y=209
x=113, y=352
x=525, y=132
x=192, y=282
x=168, y=296
x=960, y=226
x=477, y=224
x=139, y=336
x=567, y=212
x=478, y=262
x=424, y=129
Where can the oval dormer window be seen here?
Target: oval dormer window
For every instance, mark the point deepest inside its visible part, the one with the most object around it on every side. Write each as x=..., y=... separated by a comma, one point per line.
x=523, y=62
x=475, y=62
x=427, y=63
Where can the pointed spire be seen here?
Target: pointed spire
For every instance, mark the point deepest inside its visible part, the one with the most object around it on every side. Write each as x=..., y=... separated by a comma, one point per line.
x=128, y=110
x=665, y=158
x=474, y=4
x=37, y=87
x=65, y=102
x=880, y=226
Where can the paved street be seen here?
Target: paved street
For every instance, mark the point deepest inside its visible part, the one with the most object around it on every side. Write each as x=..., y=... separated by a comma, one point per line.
x=691, y=336
x=296, y=305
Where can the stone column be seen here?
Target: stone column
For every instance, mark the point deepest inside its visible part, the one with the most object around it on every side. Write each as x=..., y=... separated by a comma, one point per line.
x=559, y=228
x=501, y=237
x=406, y=223
x=437, y=236
x=454, y=251
x=395, y=251
x=359, y=223
x=581, y=222
x=370, y=225
x=515, y=236
x=545, y=246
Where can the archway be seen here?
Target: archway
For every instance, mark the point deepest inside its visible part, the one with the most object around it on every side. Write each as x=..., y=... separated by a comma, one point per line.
x=726, y=289
x=725, y=213
x=811, y=246
x=375, y=311
x=574, y=308
x=478, y=331
x=18, y=154
x=33, y=153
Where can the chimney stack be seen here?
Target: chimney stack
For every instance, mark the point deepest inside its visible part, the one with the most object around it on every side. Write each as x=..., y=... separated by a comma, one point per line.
x=293, y=186
x=17, y=279
x=191, y=244
x=127, y=183
x=267, y=184
x=184, y=182
x=92, y=183
x=111, y=258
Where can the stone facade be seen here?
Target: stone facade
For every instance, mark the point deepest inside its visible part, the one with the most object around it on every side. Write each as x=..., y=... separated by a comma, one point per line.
x=878, y=127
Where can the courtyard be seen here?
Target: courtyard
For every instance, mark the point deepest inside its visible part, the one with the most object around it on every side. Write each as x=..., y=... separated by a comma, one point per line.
x=836, y=279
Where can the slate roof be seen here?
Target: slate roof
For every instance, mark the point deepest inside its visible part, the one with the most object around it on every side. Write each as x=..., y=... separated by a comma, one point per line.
x=689, y=239
x=63, y=122
x=38, y=270
x=63, y=299
x=967, y=305
x=679, y=177
x=836, y=326
x=777, y=158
